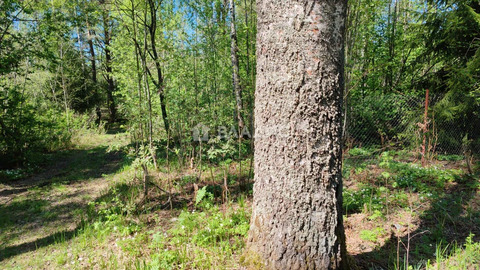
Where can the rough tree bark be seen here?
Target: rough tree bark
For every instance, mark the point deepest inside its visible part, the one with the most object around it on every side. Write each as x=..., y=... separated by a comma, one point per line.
x=297, y=210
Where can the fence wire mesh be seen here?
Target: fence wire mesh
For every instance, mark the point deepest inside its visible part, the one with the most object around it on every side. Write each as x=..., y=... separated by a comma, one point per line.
x=398, y=122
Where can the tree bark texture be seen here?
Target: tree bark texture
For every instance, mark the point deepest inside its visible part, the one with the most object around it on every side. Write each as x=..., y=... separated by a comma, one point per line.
x=297, y=210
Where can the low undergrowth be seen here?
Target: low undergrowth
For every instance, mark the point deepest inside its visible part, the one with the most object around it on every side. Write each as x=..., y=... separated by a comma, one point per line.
x=401, y=215
x=398, y=215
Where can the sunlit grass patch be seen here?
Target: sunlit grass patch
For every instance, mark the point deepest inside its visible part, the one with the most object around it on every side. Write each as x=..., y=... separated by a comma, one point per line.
x=466, y=256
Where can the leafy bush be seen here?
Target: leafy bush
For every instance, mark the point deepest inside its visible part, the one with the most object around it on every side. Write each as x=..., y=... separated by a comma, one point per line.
x=25, y=131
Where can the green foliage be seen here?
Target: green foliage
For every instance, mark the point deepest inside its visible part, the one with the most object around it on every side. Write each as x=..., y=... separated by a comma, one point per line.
x=354, y=201
x=457, y=257
x=422, y=179
x=391, y=186
x=450, y=157
x=31, y=75
x=221, y=150
x=200, y=239
x=24, y=131
x=376, y=117
x=455, y=46
x=360, y=151
x=372, y=235
x=141, y=156
x=372, y=199
x=396, y=50
x=204, y=196
x=69, y=82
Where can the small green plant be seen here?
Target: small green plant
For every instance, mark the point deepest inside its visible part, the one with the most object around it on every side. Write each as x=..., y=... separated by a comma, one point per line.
x=366, y=197
x=221, y=150
x=361, y=152
x=62, y=258
x=450, y=157
x=372, y=235
x=376, y=215
x=204, y=196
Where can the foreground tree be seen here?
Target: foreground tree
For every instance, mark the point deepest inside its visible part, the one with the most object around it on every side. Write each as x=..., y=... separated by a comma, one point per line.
x=297, y=210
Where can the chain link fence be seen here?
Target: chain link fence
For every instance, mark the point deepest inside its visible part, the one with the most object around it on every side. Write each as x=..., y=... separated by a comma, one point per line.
x=398, y=122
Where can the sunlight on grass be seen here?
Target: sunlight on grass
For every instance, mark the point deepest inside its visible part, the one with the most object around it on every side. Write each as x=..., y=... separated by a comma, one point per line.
x=91, y=216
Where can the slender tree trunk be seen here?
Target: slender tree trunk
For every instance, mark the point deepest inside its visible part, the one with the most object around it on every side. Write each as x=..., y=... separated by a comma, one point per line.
x=159, y=82
x=195, y=80
x=235, y=70
x=64, y=86
x=140, y=54
x=93, y=61
x=149, y=99
x=247, y=38
x=250, y=75
x=392, y=23
x=223, y=17
x=297, y=209
x=139, y=73
x=92, y=51
x=108, y=68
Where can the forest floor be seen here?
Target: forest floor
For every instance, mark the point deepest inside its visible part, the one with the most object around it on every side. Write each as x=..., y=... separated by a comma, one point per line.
x=82, y=210
x=40, y=210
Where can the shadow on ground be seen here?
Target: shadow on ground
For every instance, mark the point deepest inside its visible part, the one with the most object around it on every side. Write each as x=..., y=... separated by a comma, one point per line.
x=59, y=236
x=46, y=208
x=71, y=166
x=449, y=219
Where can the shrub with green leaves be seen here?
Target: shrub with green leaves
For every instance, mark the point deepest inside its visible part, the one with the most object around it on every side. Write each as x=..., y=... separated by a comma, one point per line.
x=24, y=131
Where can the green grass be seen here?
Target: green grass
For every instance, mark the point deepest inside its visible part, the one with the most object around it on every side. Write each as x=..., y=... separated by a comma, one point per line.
x=429, y=205
x=78, y=226
x=457, y=257
x=206, y=240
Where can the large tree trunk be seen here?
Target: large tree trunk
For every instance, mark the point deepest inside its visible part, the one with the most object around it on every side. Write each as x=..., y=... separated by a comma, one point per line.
x=297, y=210
x=235, y=70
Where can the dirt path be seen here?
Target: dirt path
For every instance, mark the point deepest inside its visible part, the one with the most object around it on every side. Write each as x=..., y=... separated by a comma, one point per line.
x=39, y=208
